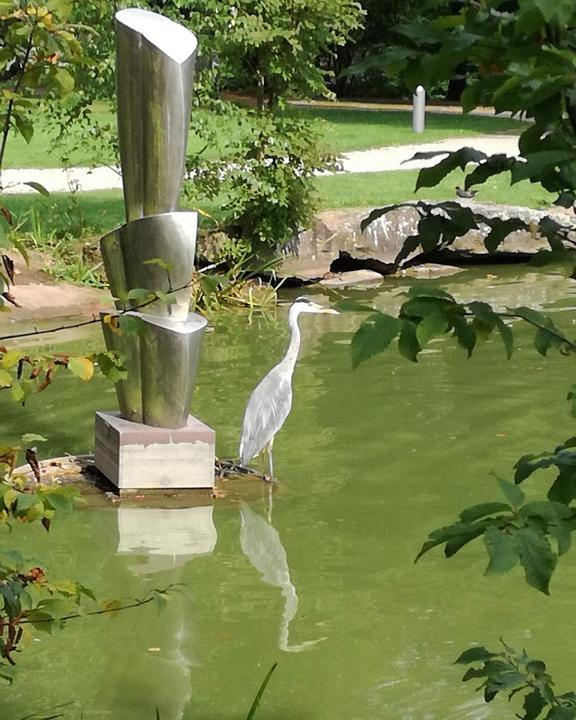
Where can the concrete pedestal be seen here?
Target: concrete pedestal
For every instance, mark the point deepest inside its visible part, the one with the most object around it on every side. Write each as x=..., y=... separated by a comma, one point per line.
x=137, y=457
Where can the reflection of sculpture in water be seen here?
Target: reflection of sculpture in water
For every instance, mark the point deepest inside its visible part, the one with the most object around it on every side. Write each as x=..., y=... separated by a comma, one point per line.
x=157, y=540
x=261, y=544
x=166, y=537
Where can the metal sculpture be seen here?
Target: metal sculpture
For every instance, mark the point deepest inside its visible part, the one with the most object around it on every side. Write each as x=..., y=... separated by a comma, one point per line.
x=155, y=249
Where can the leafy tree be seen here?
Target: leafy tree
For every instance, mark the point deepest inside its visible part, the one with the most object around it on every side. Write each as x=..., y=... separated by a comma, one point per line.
x=39, y=49
x=520, y=57
x=271, y=50
x=376, y=33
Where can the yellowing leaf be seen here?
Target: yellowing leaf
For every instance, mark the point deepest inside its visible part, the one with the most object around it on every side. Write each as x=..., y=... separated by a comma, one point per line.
x=12, y=358
x=82, y=367
x=9, y=498
x=113, y=323
x=5, y=378
x=17, y=391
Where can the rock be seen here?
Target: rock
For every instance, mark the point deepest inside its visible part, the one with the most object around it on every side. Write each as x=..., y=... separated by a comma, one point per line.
x=336, y=232
x=365, y=278
x=430, y=270
x=41, y=298
x=39, y=301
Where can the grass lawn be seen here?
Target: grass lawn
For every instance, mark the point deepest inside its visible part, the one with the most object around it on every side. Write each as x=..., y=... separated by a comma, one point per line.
x=343, y=130
x=347, y=130
x=104, y=210
x=377, y=189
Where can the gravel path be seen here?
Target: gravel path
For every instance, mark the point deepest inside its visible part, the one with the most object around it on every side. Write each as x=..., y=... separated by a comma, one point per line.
x=378, y=160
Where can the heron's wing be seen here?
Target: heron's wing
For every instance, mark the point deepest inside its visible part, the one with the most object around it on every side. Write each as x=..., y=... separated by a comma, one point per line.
x=266, y=412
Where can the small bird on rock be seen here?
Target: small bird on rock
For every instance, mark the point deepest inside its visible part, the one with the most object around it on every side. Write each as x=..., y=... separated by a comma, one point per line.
x=467, y=194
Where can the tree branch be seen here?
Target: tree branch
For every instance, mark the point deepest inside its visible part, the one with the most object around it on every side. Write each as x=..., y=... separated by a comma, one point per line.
x=84, y=323
x=104, y=611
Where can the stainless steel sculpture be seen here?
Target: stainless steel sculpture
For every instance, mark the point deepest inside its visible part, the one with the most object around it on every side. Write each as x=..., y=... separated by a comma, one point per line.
x=155, y=249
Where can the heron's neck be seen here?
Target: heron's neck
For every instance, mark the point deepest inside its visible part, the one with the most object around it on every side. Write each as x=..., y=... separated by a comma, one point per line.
x=294, y=346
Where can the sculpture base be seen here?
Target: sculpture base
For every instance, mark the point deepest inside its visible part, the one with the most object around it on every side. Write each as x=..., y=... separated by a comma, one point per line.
x=137, y=457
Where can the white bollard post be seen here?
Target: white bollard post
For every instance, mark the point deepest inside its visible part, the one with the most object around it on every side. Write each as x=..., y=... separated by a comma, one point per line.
x=419, y=109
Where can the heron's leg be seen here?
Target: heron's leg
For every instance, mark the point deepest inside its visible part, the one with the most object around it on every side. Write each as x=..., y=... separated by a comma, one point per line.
x=270, y=504
x=271, y=459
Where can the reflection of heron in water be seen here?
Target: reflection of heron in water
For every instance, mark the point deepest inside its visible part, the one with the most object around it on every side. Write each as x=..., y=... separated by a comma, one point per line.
x=271, y=401
x=261, y=544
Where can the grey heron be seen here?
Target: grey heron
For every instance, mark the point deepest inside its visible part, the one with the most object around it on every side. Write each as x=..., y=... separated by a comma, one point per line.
x=270, y=403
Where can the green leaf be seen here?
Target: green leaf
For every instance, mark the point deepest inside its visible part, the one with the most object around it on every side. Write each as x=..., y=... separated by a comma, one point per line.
x=563, y=489
x=484, y=313
x=129, y=325
x=536, y=557
x=348, y=305
x=507, y=337
x=25, y=502
x=474, y=654
x=536, y=667
x=38, y=187
x=494, y=165
x=373, y=337
x=417, y=291
x=7, y=673
x=160, y=599
x=429, y=177
x=536, y=163
x=457, y=533
x=139, y=294
x=534, y=703
x=559, y=10
x=59, y=501
x=431, y=326
x=64, y=81
x=29, y=438
x=482, y=510
x=562, y=712
x=408, y=342
x=501, y=551
x=260, y=692
x=421, y=307
x=571, y=397
x=25, y=126
x=562, y=533
x=111, y=366
x=543, y=341
x=453, y=545
x=511, y=492
x=499, y=231
x=17, y=391
x=9, y=498
x=162, y=264
x=465, y=334
x=62, y=8
x=549, y=511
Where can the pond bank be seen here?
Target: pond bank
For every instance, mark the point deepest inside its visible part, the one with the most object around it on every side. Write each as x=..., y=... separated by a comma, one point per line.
x=333, y=252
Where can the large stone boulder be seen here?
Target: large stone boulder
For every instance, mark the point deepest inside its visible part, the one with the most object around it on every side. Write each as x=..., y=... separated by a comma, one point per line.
x=336, y=234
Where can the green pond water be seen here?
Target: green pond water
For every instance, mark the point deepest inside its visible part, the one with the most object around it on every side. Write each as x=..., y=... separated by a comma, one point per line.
x=369, y=462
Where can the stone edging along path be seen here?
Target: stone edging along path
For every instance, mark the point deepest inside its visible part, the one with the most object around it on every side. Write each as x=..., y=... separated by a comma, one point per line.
x=382, y=159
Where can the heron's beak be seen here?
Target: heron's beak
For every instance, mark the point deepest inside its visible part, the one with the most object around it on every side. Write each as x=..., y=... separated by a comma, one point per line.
x=329, y=311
